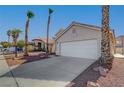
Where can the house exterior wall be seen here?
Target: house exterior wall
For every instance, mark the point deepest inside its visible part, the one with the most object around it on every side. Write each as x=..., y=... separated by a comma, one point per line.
x=77, y=33
x=36, y=45
x=53, y=48
x=120, y=41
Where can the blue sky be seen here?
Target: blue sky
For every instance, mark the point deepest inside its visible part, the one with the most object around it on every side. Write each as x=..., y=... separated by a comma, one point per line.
x=15, y=17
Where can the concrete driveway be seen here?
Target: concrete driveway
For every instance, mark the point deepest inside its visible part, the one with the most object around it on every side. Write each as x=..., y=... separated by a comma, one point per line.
x=8, y=80
x=51, y=72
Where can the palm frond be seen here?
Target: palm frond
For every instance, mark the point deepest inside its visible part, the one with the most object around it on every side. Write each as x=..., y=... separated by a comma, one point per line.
x=30, y=14
x=15, y=32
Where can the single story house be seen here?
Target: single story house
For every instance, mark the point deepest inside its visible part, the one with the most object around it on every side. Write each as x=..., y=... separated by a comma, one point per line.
x=81, y=40
x=120, y=44
x=40, y=44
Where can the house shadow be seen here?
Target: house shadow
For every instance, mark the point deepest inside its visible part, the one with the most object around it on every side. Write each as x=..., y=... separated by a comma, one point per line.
x=87, y=75
x=35, y=71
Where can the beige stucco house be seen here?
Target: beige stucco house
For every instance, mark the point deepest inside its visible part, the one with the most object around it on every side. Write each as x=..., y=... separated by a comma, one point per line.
x=81, y=40
x=40, y=44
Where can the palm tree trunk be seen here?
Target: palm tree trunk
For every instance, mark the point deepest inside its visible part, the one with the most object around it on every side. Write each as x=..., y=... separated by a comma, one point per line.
x=26, y=37
x=105, y=43
x=15, y=44
x=16, y=50
x=48, y=24
x=9, y=40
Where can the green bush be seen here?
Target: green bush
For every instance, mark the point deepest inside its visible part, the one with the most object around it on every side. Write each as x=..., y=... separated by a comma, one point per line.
x=30, y=48
x=20, y=43
x=5, y=44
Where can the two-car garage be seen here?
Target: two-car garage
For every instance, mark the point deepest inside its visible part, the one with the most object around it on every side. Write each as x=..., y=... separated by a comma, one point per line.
x=81, y=49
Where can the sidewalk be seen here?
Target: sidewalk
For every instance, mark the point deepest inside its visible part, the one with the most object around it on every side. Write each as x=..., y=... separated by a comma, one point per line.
x=5, y=81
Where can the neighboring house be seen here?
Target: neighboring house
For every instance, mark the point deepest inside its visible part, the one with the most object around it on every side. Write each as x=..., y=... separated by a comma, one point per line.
x=81, y=40
x=40, y=44
x=120, y=41
x=120, y=44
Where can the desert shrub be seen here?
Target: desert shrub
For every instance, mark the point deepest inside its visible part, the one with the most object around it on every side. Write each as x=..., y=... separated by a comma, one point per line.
x=30, y=48
x=21, y=44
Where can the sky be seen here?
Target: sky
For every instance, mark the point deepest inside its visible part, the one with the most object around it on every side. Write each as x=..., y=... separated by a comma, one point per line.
x=15, y=17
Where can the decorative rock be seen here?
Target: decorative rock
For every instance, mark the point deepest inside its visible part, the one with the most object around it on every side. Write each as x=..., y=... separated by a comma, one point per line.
x=103, y=71
x=92, y=84
x=71, y=84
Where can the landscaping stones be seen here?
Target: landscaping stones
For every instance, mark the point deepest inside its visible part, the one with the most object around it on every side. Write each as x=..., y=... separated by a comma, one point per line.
x=92, y=84
x=70, y=84
x=101, y=70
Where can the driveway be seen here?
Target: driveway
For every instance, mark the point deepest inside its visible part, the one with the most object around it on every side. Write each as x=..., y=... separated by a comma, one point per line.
x=6, y=81
x=51, y=72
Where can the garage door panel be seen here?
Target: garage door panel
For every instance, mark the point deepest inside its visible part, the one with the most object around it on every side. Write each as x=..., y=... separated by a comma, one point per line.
x=82, y=49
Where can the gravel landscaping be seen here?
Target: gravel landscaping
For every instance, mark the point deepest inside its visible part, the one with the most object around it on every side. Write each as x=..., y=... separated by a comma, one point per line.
x=33, y=56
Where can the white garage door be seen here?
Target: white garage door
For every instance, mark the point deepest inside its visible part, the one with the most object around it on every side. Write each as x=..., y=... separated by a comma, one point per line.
x=81, y=49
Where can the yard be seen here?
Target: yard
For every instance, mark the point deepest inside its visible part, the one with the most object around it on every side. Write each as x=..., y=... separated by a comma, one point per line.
x=33, y=56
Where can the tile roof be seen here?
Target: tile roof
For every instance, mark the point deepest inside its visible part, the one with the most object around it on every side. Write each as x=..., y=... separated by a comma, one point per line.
x=44, y=40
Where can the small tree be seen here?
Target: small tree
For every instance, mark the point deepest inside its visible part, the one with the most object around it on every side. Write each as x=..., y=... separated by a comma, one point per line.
x=21, y=43
x=9, y=34
x=15, y=34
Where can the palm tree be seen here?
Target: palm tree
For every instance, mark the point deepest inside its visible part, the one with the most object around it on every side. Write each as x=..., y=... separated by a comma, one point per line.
x=9, y=34
x=48, y=26
x=15, y=34
x=29, y=15
x=105, y=42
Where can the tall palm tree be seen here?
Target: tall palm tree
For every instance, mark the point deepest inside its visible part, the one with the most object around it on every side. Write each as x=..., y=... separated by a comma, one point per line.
x=48, y=26
x=15, y=34
x=9, y=34
x=105, y=42
x=30, y=15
